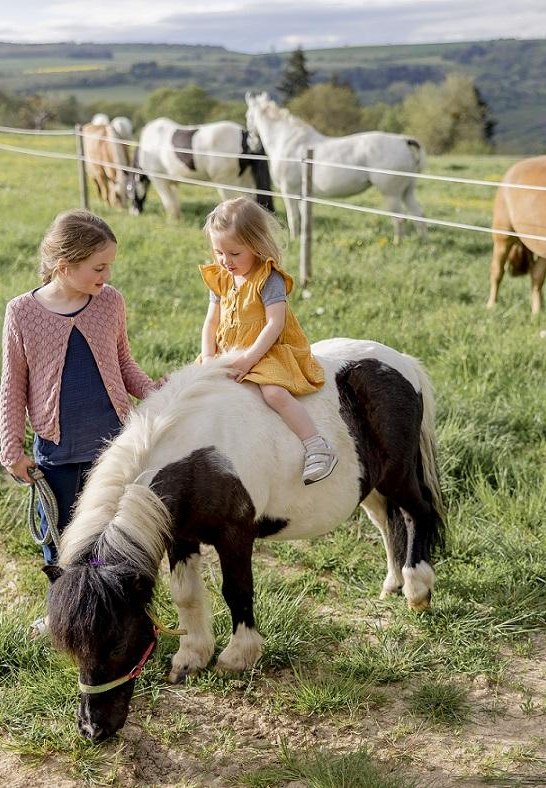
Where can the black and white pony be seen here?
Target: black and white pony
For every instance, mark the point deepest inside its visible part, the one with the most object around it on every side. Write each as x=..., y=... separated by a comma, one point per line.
x=287, y=138
x=205, y=460
x=168, y=151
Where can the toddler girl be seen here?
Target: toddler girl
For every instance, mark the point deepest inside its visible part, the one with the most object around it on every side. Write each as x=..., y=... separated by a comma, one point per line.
x=248, y=310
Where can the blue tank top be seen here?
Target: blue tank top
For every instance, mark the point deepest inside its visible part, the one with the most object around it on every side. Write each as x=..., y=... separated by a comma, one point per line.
x=87, y=416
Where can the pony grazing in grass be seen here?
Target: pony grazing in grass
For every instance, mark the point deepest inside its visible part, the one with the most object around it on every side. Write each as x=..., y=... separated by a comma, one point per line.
x=205, y=460
x=286, y=139
x=522, y=211
x=168, y=151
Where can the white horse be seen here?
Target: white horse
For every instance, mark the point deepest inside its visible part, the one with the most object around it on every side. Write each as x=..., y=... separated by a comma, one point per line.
x=168, y=150
x=285, y=136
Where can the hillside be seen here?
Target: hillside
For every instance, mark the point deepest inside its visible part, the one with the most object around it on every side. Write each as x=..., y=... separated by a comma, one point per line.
x=509, y=74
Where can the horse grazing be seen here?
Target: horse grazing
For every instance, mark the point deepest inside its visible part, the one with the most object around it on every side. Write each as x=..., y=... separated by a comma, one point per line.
x=286, y=137
x=106, y=157
x=167, y=150
x=205, y=460
x=522, y=211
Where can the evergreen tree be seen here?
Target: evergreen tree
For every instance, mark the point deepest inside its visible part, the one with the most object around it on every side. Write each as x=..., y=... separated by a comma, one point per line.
x=296, y=77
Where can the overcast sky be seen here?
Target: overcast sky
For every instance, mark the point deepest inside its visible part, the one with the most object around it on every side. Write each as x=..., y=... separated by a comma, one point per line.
x=262, y=26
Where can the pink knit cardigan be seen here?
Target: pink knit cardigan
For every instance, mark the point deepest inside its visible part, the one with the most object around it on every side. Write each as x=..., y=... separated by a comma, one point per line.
x=35, y=341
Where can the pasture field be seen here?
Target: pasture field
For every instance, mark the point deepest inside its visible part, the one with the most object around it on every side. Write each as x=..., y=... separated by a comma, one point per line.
x=351, y=691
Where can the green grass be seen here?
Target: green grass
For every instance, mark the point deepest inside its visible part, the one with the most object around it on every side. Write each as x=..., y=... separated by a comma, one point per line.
x=333, y=651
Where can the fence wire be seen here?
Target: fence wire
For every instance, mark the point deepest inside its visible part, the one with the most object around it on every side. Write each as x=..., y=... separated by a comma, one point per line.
x=281, y=195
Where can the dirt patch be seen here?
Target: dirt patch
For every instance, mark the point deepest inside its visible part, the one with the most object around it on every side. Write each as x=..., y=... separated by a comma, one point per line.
x=195, y=738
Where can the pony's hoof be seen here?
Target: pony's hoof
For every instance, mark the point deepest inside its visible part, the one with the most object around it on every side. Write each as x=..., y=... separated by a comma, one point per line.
x=242, y=652
x=187, y=661
x=391, y=585
x=418, y=605
x=177, y=676
x=418, y=585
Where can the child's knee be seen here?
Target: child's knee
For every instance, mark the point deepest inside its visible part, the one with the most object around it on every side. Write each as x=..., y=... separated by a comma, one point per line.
x=275, y=396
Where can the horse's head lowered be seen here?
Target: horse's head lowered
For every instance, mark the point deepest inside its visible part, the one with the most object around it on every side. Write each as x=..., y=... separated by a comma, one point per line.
x=108, y=632
x=136, y=188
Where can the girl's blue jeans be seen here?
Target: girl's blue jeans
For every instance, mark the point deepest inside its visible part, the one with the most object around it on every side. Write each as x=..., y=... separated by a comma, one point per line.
x=66, y=482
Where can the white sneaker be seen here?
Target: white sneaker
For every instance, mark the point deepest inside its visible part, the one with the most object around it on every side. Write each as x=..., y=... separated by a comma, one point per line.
x=320, y=461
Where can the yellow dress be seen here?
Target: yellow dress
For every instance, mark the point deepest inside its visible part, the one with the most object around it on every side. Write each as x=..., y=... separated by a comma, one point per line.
x=289, y=362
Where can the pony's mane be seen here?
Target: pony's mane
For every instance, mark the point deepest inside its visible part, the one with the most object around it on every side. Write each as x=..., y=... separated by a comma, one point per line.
x=116, y=518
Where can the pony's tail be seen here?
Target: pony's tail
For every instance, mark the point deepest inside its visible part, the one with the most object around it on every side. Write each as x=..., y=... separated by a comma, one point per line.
x=427, y=440
x=260, y=172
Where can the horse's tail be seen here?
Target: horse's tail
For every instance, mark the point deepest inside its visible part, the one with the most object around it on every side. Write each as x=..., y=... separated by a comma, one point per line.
x=260, y=172
x=519, y=260
x=427, y=444
x=418, y=153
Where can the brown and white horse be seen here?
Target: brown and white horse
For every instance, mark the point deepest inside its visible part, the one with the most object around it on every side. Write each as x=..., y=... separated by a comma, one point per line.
x=521, y=211
x=205, y=461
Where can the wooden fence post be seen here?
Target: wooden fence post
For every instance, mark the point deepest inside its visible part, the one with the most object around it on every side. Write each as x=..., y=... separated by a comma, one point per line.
x=84, y=195
x=306, y=219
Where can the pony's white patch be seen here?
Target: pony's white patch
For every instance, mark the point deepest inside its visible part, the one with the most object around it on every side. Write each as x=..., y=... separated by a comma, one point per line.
x=375, y=506
x=418, y=585
x=242, y=652
x=190, y=598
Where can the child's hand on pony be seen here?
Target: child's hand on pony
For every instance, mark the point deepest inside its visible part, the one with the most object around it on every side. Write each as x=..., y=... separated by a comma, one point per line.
x=241, y=366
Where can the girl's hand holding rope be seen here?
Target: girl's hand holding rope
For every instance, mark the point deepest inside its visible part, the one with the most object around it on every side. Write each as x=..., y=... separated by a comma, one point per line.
x=20, y=470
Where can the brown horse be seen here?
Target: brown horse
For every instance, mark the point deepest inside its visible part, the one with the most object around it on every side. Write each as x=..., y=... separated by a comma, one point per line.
x=522, y=211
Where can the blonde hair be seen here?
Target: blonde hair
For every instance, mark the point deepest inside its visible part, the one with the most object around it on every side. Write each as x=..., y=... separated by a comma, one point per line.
x=73, y=236
x=250, y=224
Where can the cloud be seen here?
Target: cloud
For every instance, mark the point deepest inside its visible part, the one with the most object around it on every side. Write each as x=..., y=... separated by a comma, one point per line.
x=254, y=26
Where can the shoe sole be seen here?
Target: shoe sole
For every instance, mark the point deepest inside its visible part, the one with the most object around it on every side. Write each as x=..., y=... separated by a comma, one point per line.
x=314, y=481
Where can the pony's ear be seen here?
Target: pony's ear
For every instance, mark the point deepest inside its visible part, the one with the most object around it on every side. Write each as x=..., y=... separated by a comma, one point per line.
x=53, y=572
x=249, y=95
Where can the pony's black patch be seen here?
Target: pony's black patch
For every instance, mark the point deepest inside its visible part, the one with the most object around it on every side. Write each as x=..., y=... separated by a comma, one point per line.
x=383, y=413
x=267, y=526
x=182, y=138
x=382, y=410
x=207, y=501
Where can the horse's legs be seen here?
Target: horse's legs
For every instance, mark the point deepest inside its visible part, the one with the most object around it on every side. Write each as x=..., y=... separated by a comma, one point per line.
x=420, y=520
x=414, y=208
x=501, y=247
x=168, y=196
x=293, y=217
x=394, y=205
x=190, y=597
x=245, y=645
x=375, y=506
x=538, y=274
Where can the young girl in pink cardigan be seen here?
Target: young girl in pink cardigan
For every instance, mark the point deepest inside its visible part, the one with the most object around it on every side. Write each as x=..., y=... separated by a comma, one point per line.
x=67, y=362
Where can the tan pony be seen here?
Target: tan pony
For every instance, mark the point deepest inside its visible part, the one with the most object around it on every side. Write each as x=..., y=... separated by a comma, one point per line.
x=521, y=211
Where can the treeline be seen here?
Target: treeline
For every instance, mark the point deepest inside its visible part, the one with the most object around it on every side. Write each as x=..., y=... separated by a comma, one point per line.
x=446, y=116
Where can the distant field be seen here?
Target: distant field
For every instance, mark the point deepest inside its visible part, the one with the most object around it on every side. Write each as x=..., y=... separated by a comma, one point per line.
x=508, y=73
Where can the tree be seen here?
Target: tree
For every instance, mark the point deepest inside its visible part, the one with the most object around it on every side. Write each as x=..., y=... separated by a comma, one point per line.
x=189, y=105
x=449, y=116
x=295, y=78
x=382, y=117
x=329, y=108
